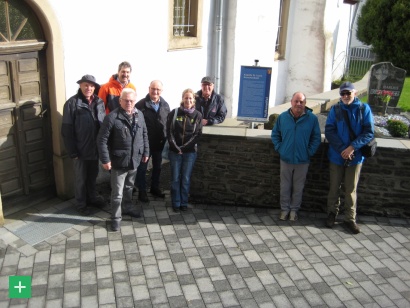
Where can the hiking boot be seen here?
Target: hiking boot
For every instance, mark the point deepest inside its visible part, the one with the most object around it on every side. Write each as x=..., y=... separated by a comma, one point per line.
x=352, y=226
x=157, y=192
x=293, y=216
x=115, y=225
x=142, y=196
x=330, y=221
x=283, y=215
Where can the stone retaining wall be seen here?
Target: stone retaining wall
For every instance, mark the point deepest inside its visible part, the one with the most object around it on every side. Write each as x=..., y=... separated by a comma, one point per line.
x=244, y=171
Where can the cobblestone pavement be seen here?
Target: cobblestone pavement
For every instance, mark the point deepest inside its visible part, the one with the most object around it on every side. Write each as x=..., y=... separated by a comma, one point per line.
x=212, y=256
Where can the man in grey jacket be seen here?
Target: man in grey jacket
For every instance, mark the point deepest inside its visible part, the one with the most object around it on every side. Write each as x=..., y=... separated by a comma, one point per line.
x=123, y=144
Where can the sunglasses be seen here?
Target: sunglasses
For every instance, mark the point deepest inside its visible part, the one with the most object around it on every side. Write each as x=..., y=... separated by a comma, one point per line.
x=345, y=93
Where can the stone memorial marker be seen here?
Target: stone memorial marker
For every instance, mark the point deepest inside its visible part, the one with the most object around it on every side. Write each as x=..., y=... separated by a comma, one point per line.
x=385, y=85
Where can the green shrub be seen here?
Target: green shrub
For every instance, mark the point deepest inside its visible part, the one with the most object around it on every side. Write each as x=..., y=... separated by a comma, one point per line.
x=272, y=121
x=397, y=128
x=389, y=36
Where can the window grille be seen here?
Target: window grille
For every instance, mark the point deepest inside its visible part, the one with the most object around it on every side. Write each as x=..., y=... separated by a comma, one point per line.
x=182, y=18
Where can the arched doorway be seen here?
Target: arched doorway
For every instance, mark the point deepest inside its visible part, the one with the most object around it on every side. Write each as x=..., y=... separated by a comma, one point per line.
x=26, y=155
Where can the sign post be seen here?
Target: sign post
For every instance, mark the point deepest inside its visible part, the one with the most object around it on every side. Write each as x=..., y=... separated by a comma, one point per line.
x=254, y=92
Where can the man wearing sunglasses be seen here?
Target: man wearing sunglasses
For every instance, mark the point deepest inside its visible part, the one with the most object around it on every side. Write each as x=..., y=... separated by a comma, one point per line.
x=344, y=152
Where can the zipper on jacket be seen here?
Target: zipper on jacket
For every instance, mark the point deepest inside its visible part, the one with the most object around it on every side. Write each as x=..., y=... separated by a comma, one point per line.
x=183, y=130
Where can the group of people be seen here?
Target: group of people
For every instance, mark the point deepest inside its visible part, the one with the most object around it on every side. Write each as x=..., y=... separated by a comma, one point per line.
x=296, y=137
x=106, y=123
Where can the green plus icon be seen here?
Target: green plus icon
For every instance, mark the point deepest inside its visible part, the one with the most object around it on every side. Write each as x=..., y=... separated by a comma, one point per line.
x=19, y=286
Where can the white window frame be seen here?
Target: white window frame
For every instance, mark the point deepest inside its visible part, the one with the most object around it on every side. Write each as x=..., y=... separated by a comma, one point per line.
x=280, y=46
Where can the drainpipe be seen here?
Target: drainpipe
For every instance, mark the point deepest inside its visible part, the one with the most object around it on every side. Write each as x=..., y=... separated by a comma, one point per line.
x=218, y=47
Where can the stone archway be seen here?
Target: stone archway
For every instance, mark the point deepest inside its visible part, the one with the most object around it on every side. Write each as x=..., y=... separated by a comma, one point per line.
x=56, y=92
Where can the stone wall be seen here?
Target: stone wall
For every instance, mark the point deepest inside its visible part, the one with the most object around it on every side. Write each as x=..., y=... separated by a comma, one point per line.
x=244, y=171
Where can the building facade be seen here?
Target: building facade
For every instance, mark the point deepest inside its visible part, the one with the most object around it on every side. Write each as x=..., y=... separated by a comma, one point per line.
x=47, y=45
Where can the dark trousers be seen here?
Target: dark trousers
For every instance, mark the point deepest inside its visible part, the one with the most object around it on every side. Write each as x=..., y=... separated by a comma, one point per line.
x=86, y=172
x=156, y=171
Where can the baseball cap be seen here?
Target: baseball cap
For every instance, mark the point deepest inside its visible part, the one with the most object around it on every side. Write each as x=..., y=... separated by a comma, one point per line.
x=346, y=86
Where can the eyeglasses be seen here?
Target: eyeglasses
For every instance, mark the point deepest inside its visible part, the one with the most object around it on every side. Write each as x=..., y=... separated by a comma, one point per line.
x=345, y=93
x=156, y=89
x=128, y=101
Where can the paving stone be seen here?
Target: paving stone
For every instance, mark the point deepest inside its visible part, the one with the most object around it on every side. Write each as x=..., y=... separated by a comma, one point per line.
x=177, y=301
x=72, y=299
x=186, y=279
x=105, y=283
x=54, y=293
x=221, y=285
x=89, y=291
x=210, y=297
x=228, y=298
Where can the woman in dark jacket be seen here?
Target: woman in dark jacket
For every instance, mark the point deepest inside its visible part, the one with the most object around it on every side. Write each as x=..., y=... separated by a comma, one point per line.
x=183, y=131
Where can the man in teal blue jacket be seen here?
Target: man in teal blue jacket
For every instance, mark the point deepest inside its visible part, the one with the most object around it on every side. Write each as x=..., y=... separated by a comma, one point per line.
x=344, y=152
x=296, y=136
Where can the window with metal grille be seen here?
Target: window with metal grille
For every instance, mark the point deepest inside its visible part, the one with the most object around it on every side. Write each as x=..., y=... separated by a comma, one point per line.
x=183, y=22
x=186, y=17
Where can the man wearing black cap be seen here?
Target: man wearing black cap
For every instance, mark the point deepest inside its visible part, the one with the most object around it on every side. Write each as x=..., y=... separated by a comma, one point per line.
x=83, y=114
x=209, y=103
x=344, y=152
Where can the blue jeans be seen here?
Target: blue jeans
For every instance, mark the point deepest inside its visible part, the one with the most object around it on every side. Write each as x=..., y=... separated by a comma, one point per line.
x=181, y=170
x=156, y=171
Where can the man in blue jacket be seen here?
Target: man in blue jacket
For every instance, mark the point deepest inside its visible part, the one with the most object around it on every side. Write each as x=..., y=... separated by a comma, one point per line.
x=296, y=136
x=344, y=152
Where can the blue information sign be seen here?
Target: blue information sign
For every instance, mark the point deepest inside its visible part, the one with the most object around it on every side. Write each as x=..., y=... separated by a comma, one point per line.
x=254, y=92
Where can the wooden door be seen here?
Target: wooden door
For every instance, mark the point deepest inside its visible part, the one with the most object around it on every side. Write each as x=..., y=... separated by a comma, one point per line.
x=25, y=136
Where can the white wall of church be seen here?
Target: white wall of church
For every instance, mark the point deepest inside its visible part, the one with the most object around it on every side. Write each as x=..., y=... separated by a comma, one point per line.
x=98, y=35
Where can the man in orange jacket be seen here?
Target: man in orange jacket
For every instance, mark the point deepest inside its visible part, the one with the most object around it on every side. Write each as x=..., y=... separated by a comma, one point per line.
x=111, y=91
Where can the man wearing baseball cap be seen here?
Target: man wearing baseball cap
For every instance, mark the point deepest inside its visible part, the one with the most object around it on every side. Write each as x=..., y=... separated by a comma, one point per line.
x=345, y=157
x=209, y=103
x=83, y=114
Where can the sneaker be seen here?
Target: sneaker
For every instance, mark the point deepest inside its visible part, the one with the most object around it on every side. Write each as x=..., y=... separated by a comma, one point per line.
x=283, y=215
x=157, y=192
x=352, y=226
x=175, y=209
x=330, y=221
x=132, y=213
x=115, y=225
x=142, y=196
x=183, y=208
x=293, y=216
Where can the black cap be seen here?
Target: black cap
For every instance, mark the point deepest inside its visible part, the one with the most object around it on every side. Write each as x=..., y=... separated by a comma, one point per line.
x=89, y=79
x=207, y=79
